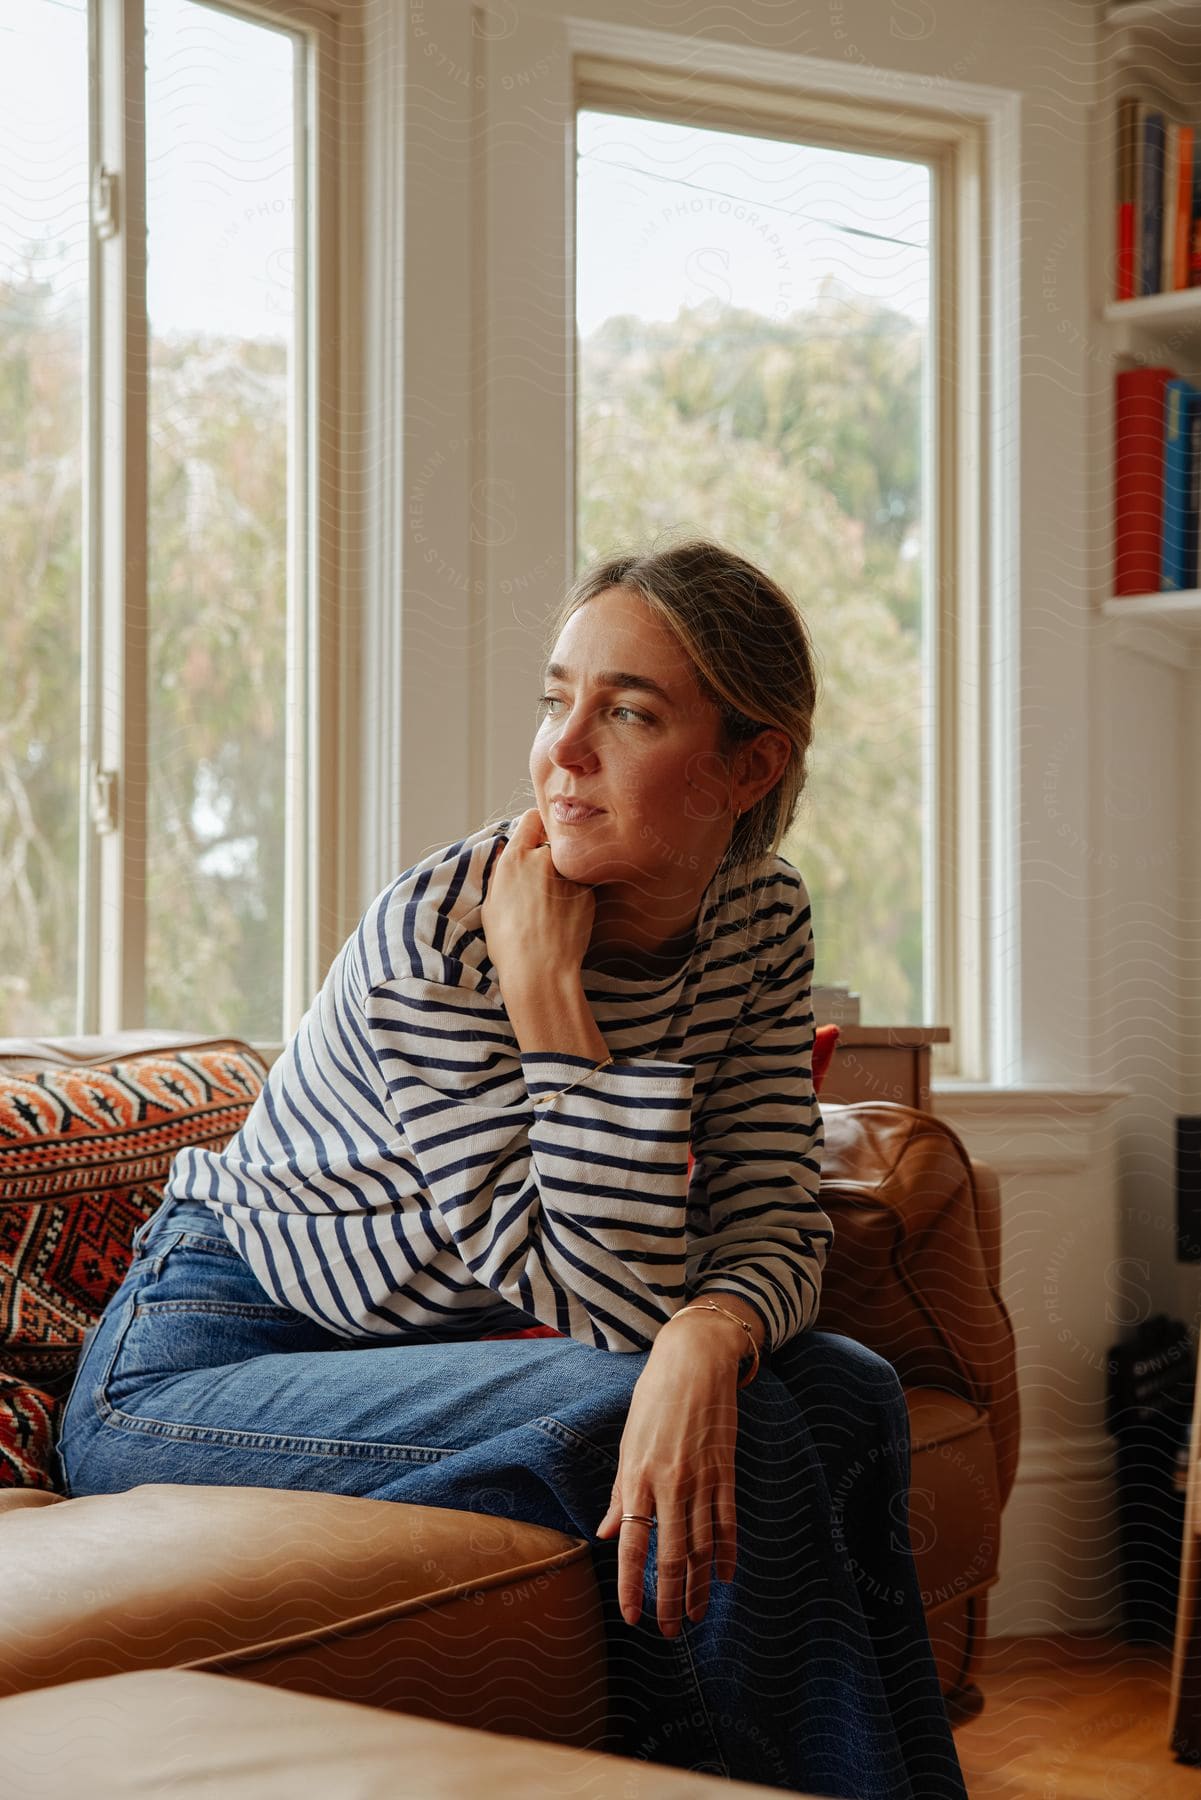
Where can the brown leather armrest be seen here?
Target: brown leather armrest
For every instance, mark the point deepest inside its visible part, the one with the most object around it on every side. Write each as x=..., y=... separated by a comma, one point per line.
x=914, y=1266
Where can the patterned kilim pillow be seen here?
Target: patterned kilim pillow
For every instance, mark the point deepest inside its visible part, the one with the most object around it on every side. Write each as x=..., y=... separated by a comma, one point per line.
x=27, y=1435
x=84, y=1153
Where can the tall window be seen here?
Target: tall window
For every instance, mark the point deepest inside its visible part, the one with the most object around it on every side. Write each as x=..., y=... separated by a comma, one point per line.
x=754, y=331
x=43, y=388
x=156, y=514
x=223, y=235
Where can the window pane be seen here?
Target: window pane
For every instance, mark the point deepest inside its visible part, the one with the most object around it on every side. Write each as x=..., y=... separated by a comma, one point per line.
x=222, y=247
x=753, y=320
x=43, y=324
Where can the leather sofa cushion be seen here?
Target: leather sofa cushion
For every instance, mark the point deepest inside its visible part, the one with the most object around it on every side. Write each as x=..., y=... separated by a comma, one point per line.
x=954, y=1505
x=139, y=1736
x=479, y=1620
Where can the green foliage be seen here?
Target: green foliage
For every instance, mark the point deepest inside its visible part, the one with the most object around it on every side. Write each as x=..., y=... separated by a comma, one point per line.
x=798, y=444
x=217, y=579
x=217, y=668
x=40, y=574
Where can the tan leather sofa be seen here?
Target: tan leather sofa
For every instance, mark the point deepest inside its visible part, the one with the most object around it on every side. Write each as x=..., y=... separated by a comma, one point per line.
x=139, y=1736
x=480, y=1621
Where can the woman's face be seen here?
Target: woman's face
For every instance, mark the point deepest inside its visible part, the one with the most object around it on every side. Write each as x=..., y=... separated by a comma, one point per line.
x=646, y=760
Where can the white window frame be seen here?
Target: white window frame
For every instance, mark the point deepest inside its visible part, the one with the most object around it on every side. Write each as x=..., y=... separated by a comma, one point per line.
x=321, y=636
x=969, y=134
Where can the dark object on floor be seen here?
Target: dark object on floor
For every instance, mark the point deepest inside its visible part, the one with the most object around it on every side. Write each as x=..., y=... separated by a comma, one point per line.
x=1149, y=1406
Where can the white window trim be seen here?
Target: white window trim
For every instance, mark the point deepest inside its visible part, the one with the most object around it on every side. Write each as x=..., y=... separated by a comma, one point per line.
x=515, y=427
x=322, y=629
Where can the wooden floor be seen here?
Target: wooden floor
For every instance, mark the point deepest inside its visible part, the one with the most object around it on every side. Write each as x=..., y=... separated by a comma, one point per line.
x=1073, y=1719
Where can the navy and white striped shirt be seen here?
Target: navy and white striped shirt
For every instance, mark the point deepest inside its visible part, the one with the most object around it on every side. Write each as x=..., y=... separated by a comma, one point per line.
x=393, y=1180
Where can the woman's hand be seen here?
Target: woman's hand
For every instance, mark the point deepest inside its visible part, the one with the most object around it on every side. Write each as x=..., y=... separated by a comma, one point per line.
x=536, y=923
x=676, y=1464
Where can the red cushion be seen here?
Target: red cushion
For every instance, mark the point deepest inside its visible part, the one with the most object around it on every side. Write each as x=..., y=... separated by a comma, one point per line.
x=825, y=1043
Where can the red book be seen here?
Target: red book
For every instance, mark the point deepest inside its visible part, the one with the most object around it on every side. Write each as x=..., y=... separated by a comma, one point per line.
x=1126, y=188
x=1126, y=251
x=1138, y=479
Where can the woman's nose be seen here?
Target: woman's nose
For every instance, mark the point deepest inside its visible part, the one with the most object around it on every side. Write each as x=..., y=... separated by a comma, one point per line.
x=574, y=742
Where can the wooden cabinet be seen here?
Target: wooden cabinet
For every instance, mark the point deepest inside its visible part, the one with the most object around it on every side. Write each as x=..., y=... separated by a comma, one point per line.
x=884, y=1062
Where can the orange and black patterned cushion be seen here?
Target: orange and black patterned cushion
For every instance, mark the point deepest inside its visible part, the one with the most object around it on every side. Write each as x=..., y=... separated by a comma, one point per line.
x=27, y=1435
x=84, y=1153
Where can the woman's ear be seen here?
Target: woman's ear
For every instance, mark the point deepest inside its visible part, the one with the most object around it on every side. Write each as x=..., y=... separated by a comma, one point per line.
x=760, y=765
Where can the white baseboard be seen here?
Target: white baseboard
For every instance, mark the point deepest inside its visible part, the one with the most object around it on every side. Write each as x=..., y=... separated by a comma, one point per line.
x=1059, y=1564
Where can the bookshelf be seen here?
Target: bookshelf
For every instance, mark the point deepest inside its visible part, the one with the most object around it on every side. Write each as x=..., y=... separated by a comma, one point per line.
x=1157, y=312
x=1150, y=48
x=1178, y=612
x=1167, y=29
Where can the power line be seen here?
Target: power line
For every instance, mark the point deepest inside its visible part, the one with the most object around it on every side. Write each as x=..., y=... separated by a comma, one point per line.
x=696, y=187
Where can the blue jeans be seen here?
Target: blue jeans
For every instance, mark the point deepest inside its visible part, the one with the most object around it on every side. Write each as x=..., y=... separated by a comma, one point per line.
x=810, y=1671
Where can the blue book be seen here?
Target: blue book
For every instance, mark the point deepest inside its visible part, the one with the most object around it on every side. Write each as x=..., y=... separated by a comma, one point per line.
x=1178, y=545
x=1194, y=502
x=1151, y=204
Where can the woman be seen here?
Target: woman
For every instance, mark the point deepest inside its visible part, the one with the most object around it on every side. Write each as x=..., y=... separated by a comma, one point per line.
x=482, y=1127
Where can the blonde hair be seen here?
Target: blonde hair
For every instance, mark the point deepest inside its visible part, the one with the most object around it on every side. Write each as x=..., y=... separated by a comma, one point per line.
x=751, y=656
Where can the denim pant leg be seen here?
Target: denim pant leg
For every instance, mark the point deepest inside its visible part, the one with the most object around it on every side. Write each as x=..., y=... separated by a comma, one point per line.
x=812, y=1668
x=194, y=1375
x=854, y=1407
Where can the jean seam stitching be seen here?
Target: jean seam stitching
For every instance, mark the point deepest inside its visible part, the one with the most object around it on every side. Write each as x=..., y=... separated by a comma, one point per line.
x=684, y=1649
x=238, y=1309
x=565, y=1434
x=332, y=1449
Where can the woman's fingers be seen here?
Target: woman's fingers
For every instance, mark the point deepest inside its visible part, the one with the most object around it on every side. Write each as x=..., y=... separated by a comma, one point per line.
x=700, y=1560
x=690, y=1536
x=725, y=1521
x=672, y=1563
x=631, y=1564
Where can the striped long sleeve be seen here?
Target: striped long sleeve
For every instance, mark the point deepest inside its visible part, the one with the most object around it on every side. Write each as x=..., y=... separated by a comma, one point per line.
x=758, y=1144
x=574, y=1213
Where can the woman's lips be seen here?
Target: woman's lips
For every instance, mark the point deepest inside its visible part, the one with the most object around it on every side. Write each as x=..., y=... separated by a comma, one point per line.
x=568, y=814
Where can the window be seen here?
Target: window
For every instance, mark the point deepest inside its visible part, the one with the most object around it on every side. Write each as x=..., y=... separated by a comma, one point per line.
x=160, y=392
x=43, y=389
x=762, y=318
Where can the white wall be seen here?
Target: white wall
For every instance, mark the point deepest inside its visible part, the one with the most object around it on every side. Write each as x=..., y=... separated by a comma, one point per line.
x=471, y=472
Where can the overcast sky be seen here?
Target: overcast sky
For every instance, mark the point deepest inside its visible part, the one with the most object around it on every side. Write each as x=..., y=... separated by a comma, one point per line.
x=669, y=215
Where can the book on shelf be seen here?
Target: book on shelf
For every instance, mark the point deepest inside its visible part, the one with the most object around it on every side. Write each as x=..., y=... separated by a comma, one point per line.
x=1150, y=197
x=1126, y=208
x=1178, y=544
x=1138, y=478
x=1157, y=224
x=1171, y=188
x=1157, y=482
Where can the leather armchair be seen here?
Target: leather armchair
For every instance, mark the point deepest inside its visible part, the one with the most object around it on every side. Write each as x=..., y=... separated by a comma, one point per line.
x=914, y=1274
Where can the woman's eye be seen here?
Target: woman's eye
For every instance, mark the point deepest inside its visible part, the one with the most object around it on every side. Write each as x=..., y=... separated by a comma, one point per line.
x=549, y=700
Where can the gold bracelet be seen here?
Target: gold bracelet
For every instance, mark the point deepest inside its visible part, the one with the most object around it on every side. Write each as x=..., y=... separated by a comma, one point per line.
x=545, y=1099
x=712, y=1306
